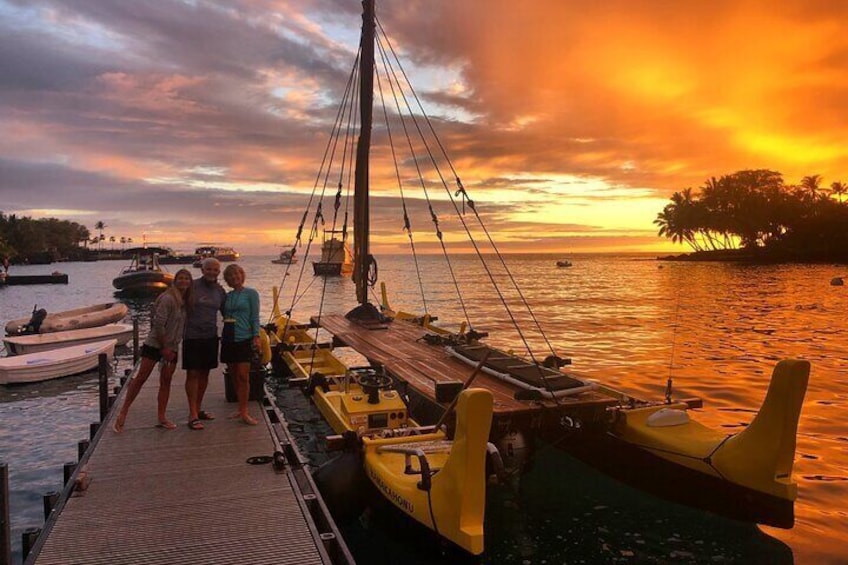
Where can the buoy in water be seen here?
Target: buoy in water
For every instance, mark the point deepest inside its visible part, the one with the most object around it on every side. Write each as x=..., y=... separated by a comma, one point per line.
x=837, y=281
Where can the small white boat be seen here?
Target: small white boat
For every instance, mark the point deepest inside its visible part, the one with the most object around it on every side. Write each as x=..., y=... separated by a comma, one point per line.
x=53, y=364
x=22, y=345
x=88, y=317
x=286, y=257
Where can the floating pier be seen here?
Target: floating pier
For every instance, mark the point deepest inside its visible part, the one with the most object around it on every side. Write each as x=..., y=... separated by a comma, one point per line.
x=399, y=347
x=230, y=493
x=14, y=280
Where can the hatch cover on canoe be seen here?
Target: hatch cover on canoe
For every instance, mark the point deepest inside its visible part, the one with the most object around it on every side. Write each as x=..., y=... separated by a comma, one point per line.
x=535, y=376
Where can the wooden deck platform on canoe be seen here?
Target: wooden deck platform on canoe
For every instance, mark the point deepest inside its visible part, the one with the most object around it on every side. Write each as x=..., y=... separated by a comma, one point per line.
x=15, y=280
x=399, y=348
x=186, y=496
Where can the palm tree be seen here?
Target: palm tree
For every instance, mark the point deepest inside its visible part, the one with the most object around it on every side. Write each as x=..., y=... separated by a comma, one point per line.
x=123, y=242
x=100, y=226
x=112, y=241
x=811, y=184
x=838, y=189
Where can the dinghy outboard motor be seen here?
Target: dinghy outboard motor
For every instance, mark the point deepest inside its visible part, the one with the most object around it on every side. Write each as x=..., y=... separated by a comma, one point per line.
x=35, y=322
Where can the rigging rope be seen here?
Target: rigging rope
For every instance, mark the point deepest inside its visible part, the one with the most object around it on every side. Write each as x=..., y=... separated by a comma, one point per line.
x=407, y=225
x=390, y=73
x=324, y=162
x=474, y=243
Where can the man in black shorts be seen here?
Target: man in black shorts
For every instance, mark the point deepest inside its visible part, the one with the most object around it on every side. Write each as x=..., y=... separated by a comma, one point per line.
x=200, y=345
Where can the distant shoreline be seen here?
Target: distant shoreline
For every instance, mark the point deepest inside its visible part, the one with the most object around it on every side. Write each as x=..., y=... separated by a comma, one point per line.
x=758, y=257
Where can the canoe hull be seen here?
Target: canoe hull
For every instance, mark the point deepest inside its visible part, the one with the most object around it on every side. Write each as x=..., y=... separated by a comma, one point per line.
x=63, y=362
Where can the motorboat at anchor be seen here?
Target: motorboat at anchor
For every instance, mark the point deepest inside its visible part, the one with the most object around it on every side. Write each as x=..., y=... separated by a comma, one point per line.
x=143, y=275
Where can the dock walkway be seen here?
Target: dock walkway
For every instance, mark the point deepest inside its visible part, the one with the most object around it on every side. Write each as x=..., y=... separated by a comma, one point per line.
x=187, y=496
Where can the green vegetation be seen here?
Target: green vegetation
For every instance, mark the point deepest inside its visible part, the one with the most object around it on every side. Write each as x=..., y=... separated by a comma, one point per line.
x=753, y=214
x=28, y=240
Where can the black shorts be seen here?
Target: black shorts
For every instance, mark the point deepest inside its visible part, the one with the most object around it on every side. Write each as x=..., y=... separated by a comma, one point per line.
x=237, y=351
x=200, y=354
x=150, y=352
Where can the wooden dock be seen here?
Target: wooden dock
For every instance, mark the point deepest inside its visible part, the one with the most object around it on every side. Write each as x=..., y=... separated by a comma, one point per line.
x=398, y=346
x=15, y=280
x=185, y=496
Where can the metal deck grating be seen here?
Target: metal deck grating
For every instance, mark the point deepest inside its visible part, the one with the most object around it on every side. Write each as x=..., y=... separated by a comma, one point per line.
x=183, y=496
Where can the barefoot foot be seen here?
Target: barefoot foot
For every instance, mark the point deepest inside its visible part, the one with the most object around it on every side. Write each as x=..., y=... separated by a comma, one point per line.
x=118, y=425
x=248, y=419
x=166, y=425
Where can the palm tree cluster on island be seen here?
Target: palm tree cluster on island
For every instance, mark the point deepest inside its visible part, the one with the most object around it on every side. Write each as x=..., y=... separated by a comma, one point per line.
x=754, y=214
x=43, y=240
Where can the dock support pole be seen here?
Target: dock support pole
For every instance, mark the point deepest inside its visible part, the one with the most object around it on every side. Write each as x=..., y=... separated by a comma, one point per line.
x=82, y=447
x=135, y=340
x=50, y=500
x=92, y=429
x=68, y=470
x=103, y=374
x=28, y=539
x=5, y=530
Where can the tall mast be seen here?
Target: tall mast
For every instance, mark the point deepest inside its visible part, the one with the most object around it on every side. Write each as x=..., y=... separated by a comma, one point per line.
x=361, y=219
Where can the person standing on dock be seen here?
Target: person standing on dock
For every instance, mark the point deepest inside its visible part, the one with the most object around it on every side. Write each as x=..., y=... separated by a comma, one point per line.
x=6, y=264
x=161, y=344
x=200, y=346
x=240, y=336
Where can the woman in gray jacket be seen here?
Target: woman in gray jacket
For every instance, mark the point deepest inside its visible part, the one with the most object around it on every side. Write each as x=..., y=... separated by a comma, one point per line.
x=169, y=314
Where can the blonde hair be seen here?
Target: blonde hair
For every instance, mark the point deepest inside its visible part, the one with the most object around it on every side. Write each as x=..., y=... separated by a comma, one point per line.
x=231, y=269
x=182, y=300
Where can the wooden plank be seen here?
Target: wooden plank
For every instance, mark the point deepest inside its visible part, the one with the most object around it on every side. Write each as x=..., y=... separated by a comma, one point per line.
x=183, y=496
x=404, y=354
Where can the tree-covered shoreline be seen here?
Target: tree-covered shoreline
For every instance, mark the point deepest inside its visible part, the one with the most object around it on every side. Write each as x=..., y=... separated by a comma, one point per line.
x=27, y=240
x=753, y=216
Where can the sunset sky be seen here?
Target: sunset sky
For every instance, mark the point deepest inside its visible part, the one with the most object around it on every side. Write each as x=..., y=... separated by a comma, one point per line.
x=570, y=123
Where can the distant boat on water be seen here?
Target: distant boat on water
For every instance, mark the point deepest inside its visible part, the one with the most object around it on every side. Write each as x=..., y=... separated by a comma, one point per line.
x=286, y=257
x=563, y=263
x=336, y=258
x=143, y=274
x=222, y=254
x=173, y=258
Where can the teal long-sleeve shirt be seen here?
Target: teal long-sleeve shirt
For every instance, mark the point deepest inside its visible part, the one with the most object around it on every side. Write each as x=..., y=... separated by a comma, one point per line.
x=243, y=306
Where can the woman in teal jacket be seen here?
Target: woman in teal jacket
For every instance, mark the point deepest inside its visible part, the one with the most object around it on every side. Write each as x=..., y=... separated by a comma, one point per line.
x=240, y=337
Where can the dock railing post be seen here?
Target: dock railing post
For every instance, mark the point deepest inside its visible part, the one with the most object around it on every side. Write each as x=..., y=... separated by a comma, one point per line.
x=5, y=530
x=50, y=499
x=28, y=539
x=135, y=340
x=103, y=374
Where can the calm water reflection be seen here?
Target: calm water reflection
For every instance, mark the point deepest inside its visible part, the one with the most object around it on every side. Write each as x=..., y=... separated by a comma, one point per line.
x=717, y=329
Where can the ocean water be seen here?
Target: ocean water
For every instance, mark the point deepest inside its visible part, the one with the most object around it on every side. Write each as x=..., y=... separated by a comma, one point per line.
x=716, y=329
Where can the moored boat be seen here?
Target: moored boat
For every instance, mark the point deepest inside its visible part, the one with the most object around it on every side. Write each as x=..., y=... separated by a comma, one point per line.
x=170, y=257
x=287, y=257
x=62, y=362
x=336, y=258
x=222, y=254
x=143, y=275
x=22, y=345
x=437, y=481
x=78, y=318
x=564, y=263
x=536, y=400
